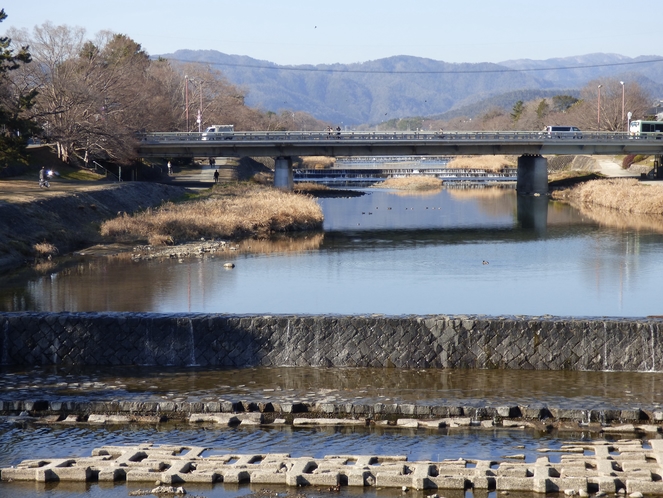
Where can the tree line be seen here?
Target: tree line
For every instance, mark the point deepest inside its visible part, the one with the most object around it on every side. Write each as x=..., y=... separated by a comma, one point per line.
x=589, y=111
x=91, y=98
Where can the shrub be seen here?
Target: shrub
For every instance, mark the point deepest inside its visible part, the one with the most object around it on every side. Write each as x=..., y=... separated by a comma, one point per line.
x=627, y=161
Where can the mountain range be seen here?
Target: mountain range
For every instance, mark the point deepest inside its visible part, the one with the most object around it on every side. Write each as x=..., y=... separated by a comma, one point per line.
x=406, y=86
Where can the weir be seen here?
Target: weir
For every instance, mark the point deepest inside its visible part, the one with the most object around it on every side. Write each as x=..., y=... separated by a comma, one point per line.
x=430, y=341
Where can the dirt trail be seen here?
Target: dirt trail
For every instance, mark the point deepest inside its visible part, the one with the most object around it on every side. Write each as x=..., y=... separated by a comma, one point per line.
x=611, y=167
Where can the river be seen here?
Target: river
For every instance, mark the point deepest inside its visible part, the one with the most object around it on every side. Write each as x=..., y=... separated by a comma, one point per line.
x=456, y=251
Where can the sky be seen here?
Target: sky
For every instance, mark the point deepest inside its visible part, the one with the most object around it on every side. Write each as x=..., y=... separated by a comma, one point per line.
x=291, y=32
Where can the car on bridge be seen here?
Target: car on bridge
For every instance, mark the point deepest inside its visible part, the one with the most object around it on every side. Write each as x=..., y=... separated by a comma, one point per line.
x=562, y=132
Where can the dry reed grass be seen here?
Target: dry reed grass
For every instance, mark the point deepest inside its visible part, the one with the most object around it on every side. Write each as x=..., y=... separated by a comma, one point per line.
x=45, y=249
x=318, y=162
x=488, y=163
x=303, y=187
x=411, y=183
x=625, y=195
x=233, y=212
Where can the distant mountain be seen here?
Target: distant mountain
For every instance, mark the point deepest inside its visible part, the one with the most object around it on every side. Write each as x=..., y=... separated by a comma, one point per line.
x=405, y=86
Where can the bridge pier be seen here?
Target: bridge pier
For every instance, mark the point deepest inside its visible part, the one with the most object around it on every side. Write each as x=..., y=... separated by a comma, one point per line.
x=532, y=175
x=283, y=173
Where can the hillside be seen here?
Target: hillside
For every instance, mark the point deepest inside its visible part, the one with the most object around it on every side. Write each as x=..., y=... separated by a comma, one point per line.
x=402, y=86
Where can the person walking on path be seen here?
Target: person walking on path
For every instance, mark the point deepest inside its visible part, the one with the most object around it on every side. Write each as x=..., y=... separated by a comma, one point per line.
x=216, y=176
x=169, y=168
x=42, y=177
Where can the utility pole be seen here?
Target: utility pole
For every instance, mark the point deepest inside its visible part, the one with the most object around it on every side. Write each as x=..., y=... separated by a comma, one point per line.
x=186, y=100
x=598, y=111
x=623, y=101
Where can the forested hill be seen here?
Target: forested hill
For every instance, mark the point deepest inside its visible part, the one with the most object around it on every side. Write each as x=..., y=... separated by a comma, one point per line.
x=401, y=86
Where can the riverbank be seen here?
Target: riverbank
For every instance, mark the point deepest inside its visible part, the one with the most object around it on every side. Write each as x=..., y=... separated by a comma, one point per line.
x=626, y=195
x=39, y=224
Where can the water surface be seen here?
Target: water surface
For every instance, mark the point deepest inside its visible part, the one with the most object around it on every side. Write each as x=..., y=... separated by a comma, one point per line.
x=471, y=251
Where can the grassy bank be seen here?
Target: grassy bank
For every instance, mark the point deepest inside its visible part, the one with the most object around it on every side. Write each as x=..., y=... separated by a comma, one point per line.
x=625, y=195
x=487, y=163
x=230, y=211
x=411, y=183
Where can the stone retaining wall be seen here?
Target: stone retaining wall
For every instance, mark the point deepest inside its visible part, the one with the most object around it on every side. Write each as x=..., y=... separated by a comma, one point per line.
x=435, y=341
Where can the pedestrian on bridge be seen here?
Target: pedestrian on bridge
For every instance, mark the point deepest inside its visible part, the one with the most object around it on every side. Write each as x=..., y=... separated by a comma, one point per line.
x=216, y=176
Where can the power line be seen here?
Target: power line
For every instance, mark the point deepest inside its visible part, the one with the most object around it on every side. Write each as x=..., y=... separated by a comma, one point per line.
x=365, y=71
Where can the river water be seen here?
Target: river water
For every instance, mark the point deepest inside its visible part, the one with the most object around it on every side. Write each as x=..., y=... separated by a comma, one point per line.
x=456, y=251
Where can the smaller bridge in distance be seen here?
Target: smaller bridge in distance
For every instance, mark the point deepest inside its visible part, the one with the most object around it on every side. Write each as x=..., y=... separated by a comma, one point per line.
x=530, y=146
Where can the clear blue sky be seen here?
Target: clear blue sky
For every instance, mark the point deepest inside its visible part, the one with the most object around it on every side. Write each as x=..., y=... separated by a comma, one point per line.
x=345, y=31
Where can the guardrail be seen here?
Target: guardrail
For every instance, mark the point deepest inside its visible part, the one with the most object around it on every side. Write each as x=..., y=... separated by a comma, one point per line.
x=291, y=136
x=105, y=170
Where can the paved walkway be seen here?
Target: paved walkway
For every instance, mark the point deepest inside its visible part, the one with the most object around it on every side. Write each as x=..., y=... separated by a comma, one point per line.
x=200, y=178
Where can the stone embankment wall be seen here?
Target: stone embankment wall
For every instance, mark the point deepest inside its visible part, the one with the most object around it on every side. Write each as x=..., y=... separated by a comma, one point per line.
x=438, y=341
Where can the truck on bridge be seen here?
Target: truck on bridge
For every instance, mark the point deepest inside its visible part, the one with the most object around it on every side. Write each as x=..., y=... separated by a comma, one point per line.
x=218, y=132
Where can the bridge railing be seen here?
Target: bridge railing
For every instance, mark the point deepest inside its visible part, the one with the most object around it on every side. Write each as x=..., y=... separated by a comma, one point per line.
x=317, y=136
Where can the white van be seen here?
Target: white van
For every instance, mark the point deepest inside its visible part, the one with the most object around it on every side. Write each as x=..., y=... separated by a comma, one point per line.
x=563, y=131
x=218, y=132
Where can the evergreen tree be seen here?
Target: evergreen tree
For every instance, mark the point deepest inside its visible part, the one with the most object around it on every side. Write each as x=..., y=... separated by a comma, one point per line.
x=542, y=109
x=562, y=103
x=518, y=110
x=14, y=127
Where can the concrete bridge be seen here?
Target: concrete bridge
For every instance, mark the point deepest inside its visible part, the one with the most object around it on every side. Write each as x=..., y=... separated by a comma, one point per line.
x=530, y=146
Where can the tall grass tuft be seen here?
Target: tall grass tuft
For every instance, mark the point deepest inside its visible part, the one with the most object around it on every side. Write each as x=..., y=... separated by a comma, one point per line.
x=487, y=163
x=232, y=212
x=626, y=195
x=45, y=249
x=411, y=183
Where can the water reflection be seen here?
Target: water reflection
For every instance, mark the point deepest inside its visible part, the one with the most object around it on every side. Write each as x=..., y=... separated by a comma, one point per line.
x=467, y=388
x=392, y=254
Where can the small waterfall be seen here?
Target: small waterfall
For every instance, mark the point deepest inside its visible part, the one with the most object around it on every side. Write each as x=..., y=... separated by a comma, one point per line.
x=55, y=347
x=5, y=344
x=586, y=417
x=287, y=343
x=192, y=359
x=474, y=419
x=605, y=347
x=652, y=337
x=149, y=356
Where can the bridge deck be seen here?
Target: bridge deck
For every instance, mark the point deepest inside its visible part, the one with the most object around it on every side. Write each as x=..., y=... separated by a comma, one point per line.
x=313, y=143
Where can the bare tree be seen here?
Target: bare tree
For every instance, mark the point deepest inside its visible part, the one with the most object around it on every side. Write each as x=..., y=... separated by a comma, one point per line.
x=605, y=113
x=95, y=95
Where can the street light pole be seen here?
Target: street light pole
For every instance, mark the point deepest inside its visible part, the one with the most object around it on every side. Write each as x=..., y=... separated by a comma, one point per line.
x=200, y=110
x=186, y=100
x=598, y=111
x=623, y=100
